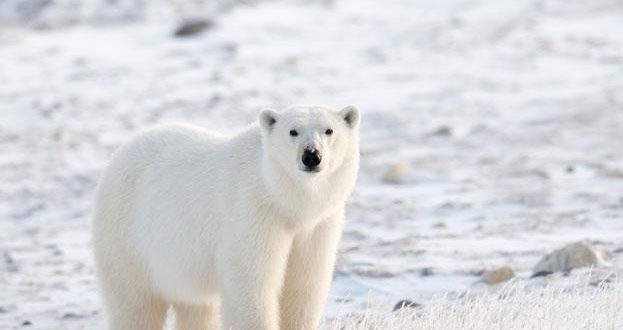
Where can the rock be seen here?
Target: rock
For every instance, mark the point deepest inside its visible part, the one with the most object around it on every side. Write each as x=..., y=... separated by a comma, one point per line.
x=427, y=271
x=442, y=131
x=70, y=315
x=498, y=275
x=370, y=271
x=397, y=173
x=8, y=263
x=193, y=27
x=602, y=282
x=541, y=274
x=403, y=304
x=576, y=255
x=476, y=272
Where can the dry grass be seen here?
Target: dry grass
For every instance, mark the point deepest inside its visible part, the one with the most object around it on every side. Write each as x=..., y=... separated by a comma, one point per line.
x=511, y=307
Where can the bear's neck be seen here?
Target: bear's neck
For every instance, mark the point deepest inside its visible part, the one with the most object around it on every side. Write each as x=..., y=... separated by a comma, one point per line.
x=305, y=202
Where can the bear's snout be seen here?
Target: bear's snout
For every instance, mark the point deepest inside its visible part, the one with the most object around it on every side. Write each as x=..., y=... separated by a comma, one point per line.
x=311, y=159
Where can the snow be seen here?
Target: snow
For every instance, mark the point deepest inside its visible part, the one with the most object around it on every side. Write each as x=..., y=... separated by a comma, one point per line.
x=526, y=93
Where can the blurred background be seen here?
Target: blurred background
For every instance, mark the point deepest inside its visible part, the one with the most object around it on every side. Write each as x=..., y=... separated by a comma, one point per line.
x=491, y=132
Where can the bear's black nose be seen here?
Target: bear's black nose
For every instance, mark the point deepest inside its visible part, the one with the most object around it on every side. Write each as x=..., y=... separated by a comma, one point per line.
x=311, y=158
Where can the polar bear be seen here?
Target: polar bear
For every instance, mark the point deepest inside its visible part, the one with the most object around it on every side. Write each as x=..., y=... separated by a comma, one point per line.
x=236, y=231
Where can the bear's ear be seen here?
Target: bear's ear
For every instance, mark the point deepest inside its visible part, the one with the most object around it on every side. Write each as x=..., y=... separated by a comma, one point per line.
x=268, y=118
x=350, y=115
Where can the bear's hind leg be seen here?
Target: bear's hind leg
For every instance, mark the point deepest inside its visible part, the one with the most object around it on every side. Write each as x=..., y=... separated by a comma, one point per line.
x=196, y=317
x=140, y=312
x=130, y=305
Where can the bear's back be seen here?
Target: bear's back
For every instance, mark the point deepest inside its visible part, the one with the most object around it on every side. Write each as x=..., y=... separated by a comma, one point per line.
x=175, y=140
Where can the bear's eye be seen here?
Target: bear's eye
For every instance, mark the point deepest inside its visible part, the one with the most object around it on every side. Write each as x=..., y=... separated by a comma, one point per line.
x=293, y=132
x=328, y=131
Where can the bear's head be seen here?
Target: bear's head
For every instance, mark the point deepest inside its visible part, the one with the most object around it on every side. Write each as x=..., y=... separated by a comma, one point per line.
x=310, y=141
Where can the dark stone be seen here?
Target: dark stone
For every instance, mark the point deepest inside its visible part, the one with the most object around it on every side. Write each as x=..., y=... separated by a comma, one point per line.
x=541, y=274
x=405, y=304
x=427, y=271
x=26, y=323
x=9, y=263
x=193, y=27
x=442, y=131
x=477, y=272
x=602, y=283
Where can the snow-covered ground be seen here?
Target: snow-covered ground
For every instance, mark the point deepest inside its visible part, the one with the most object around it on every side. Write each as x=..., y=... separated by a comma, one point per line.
x=508, y=113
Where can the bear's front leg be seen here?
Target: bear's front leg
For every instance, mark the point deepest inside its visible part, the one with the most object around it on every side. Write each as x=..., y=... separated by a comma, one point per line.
x=252, y=266
x=309, y=273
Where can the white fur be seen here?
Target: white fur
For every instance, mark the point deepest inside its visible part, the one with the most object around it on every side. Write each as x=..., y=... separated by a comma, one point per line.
x=202, y=222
